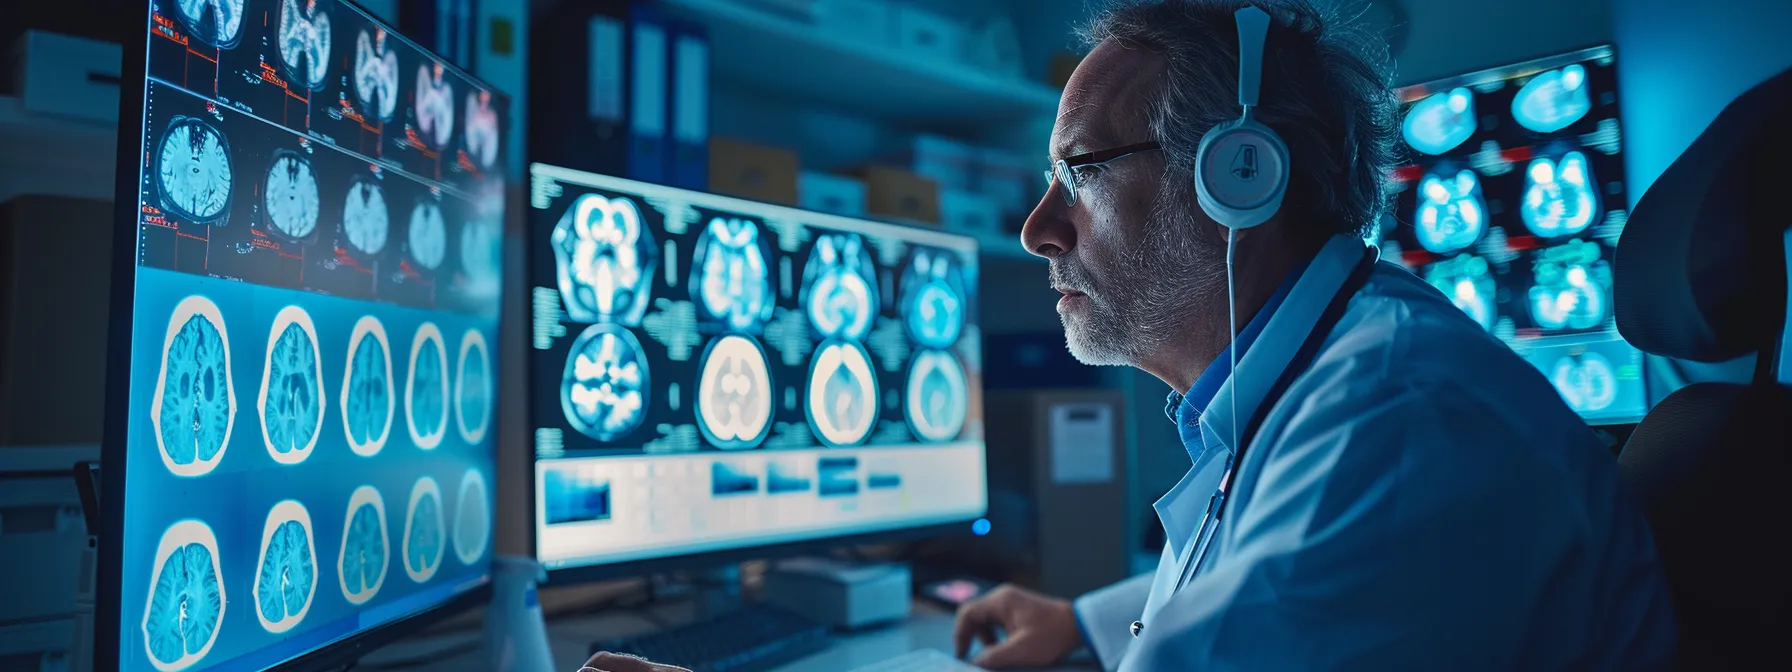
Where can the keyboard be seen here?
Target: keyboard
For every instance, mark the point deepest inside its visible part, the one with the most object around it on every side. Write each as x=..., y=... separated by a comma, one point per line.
x=921, y=660
x=753, y=638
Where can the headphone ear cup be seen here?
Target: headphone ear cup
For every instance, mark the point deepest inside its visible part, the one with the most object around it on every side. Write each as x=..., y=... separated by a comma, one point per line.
x=1241, y=173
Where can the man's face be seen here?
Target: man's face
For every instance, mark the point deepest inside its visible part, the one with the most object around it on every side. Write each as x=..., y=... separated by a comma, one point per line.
x=1129, y=255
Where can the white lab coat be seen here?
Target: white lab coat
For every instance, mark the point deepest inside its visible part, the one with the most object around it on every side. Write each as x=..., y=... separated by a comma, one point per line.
x=1420, y=498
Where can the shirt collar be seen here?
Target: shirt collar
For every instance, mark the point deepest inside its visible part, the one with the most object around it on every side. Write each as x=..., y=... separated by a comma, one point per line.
x=1185, y=409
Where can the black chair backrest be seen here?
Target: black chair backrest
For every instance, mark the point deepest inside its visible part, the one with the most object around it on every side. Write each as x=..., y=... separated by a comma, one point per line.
x=1700, y=274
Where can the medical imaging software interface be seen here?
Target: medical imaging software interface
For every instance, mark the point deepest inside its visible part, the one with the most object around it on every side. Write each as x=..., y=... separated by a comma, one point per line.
x=711, y=373
x=1513, y=208
x=310, y=441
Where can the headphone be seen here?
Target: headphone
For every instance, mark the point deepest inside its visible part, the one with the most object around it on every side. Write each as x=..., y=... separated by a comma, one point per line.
x=1241, y=168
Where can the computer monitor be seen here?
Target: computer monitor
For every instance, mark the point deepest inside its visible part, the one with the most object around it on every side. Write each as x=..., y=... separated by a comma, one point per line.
x=1512, y=206
x=300, y=439
x=713, y=377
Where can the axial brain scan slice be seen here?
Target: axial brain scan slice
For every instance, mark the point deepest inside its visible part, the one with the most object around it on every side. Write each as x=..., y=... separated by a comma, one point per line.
x=1559, y=196
x=186, y=602
x=292, y=388
x=934, y=304
x=287, y=578
x=605, y=259
x=605, y=386
x=1468, y=282
x=361, y=567
x=426, y=391
x=434, y=104
x=482, y=129
x=842, y=393
x=472, y=388
x=215, y=22
x=376, y=75
x=472, y=518
x=481, y=252
x=1441, y=121
x=1587, y=382
x=1570, y=295
x=1553, y=100
x=423, y=534
x=194, y=407
x=730, y=274
x=193, y=171
x=937, y=396
x=292, y=199
x=840, y=287
x=365, y=220
x=304, y=41
x=734, y=394
x=367, y=397
x=1451, y=214
x=428, y=235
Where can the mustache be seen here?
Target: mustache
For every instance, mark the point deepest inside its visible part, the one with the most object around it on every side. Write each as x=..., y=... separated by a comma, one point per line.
x=1069, y=275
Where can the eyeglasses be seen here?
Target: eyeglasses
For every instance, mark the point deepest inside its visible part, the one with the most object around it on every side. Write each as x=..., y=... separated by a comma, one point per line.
x=1065, y=170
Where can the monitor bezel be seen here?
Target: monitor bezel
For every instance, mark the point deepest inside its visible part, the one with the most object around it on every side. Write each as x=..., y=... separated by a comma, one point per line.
x=710, y=559
x=133, y=80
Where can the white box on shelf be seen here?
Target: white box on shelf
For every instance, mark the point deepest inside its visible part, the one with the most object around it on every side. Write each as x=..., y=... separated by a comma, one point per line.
x=832, y=194
x=927, y=35
x=994, y=45
x=796, y=9
x=67, y=76
x=950, y=163
x=1013, y=181
x=970, y=213
x=865, y=21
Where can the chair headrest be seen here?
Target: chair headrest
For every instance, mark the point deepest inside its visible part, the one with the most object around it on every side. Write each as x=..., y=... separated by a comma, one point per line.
x=1700, y=271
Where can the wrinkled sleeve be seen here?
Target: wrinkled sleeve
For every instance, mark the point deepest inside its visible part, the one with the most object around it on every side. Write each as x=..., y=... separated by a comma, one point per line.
x=1368, y=544
x=1105, y=617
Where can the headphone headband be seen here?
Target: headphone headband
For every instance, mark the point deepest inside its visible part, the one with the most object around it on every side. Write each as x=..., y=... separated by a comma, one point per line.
x=1253, y=30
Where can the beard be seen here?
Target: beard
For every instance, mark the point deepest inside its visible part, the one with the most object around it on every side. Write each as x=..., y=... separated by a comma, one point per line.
x=1141, y=298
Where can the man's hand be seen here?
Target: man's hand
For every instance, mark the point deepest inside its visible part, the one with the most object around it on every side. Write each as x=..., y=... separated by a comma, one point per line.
x=605, y=661
x=1039, y=630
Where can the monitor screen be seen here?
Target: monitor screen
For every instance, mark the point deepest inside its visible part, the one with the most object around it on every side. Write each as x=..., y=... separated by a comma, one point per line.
x=308, y=444
x=712, y=374
x=1512, y=206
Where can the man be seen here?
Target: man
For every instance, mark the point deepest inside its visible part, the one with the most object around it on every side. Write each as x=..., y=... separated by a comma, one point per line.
x=1414, y=495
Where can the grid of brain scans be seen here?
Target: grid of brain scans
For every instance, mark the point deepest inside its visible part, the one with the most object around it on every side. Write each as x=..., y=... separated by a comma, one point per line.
x=1513, y=206
x=309, y=449
x=714, y=373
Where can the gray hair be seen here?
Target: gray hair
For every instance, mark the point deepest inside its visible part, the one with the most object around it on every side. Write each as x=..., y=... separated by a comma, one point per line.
x=1326, y=91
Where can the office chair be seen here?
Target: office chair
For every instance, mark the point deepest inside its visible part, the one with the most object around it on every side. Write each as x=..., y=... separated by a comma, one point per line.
x=1700, y=275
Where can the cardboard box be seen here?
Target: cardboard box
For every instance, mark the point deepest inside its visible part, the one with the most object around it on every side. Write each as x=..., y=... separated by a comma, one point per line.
x=900, y=194
x=832, y=194
x=751, y=171
x=924, y=35
x=969, y=212
x=865, y=21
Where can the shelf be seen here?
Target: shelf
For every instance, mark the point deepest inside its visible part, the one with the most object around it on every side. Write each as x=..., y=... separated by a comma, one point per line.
x=55, y=156
x=759, y=51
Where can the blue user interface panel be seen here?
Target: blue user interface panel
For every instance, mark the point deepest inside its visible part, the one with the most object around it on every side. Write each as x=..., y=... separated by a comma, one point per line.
x=1513, y=206
x=713, y=374
x=310, y=441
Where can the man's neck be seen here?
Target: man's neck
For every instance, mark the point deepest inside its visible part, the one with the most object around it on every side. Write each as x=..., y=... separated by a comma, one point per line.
x=1257, y=271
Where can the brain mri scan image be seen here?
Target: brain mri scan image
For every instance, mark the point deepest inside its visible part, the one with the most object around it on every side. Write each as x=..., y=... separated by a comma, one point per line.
x=186, y=597
x=304, y=40
x=365, y=220
x=938, y=396
x=735, y=394
x=1559, y=196
x=731, y=274
x=840, y=287
x=1441, y=121
x=473, y=388
x=194, y=409
x=1468, y=282
x=1571, y=294
x=292, y=200
x=215, y=22
x=483, y=133
x=1451, y=214
x=605, y=258
x=428, y=235
x=481, y=254
x=1553, y=100
x=1587, y=382
x=367, y=396
x=287, y=576
x=842, y=394
x=434, y=104
x=376, y=75
x=934, y=299
x=605, y=386
x=426, y=390
x=361, y=567
x=423, y=533
x=472, y=518
x=193, y=171
x=292, y=388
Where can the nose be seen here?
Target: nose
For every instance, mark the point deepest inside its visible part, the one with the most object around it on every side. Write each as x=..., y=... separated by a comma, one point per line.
x=1048, y=231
